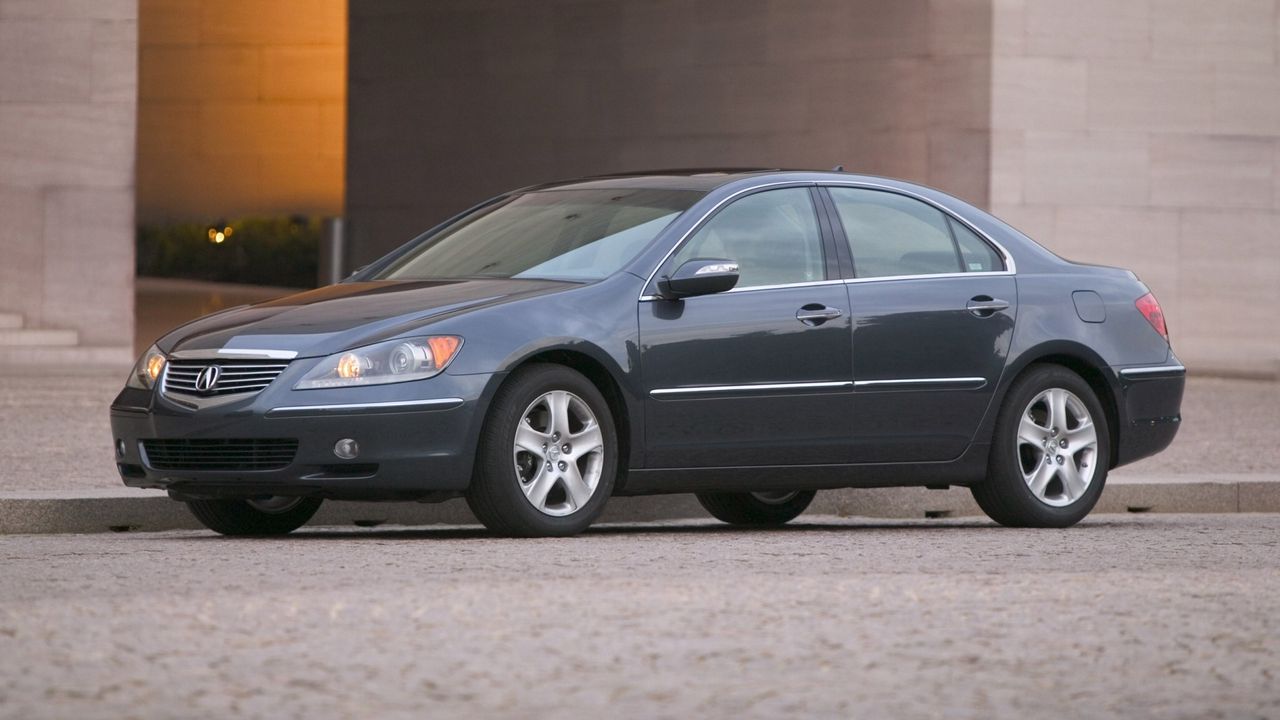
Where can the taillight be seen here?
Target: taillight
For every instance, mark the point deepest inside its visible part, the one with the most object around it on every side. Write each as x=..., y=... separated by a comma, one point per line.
x=1150, y=309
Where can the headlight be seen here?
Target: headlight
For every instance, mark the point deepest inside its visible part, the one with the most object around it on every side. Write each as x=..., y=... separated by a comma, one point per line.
x=389, y=362
x=147, y=370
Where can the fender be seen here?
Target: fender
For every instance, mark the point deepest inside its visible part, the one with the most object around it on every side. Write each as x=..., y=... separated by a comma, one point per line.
x=626, y=381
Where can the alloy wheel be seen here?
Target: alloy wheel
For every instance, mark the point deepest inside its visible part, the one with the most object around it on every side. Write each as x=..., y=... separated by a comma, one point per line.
x=558, y=453
x=274, y=504
x=775, y=497
x=1057, y=447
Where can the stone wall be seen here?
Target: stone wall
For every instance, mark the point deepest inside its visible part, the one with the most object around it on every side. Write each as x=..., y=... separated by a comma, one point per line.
x=1147, y=135
x=241, y=108
x=67, y=101
x=455, y=100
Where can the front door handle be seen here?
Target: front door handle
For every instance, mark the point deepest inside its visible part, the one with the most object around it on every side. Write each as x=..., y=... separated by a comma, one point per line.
x=986, y=306
x=815, y=314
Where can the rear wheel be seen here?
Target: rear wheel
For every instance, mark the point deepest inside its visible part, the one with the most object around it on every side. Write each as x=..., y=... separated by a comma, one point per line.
x=1050, y=453
x=757, y=508
x=548, y=455
x=275, y=515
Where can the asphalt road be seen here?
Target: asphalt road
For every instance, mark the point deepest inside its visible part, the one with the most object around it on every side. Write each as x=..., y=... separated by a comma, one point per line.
x=1123, y=616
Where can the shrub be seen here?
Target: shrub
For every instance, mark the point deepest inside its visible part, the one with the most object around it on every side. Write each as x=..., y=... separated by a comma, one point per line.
x=281, y=251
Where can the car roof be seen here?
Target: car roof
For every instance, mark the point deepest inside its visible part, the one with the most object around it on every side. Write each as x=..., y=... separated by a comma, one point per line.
x=709, y=179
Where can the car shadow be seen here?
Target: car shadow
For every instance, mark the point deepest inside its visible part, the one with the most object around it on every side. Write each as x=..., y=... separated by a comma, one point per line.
x=693, y=527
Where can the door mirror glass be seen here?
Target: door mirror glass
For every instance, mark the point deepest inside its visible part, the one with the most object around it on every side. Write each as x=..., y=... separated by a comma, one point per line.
x=700, y=276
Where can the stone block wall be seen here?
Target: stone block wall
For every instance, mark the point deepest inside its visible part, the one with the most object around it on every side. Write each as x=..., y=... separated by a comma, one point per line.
x=1146, y=134
x=241, y=108
x=68, y=83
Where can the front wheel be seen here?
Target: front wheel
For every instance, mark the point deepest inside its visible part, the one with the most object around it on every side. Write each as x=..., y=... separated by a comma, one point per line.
x=276, y=515
x=548, y=455
x=1050, y=453
x=756, y=508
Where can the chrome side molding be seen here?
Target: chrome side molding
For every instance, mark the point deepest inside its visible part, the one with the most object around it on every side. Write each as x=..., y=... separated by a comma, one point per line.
x=967, y=382
x=754, y=388
x=1158, y=370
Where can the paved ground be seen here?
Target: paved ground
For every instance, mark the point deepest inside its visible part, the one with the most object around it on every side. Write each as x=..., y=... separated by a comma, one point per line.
x=54, y=434
x=1124, y=616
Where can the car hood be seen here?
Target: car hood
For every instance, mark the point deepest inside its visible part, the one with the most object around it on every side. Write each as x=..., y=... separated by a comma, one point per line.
x=338, y=317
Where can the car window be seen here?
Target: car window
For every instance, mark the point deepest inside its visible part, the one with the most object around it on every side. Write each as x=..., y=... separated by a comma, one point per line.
x=772, y=235
x=977, y=255
x=890, y=234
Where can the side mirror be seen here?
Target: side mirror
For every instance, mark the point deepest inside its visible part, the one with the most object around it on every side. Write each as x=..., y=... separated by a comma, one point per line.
x=702, y=276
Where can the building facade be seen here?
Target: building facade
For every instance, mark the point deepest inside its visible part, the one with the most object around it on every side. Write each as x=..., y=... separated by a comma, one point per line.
x=1142, y=133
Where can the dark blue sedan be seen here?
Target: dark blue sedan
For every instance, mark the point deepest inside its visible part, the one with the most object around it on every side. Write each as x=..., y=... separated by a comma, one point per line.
x=749, y=336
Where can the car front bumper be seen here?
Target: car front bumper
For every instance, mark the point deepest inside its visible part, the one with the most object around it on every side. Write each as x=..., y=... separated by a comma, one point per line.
x=416, y=441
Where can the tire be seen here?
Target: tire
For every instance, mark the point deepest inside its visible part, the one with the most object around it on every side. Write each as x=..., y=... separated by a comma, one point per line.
x=269, y=516
x=527, y=484
x=756, y=509
x=1040, y=474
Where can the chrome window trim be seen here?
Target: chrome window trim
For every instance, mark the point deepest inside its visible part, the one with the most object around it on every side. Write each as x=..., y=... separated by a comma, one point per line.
x=1160, y=369
x=888, y=278
x=704, y=389
x=1010, y=266
x=234, y=354
x=922, y=381
x=753, y=288
x=439, y=403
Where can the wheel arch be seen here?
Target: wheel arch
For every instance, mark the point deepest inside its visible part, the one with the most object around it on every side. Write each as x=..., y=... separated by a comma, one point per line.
x=1083, y=362
x=603, y=373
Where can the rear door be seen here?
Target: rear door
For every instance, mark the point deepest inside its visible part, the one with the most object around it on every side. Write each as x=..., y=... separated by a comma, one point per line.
x=933, y=308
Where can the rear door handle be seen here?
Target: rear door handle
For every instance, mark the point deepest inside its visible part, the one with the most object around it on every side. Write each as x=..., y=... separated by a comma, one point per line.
x=986, y=306
x=815, y=314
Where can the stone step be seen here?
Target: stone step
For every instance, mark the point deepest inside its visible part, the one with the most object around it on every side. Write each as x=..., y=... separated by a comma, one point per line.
x=79, y=358
x=10, y=321
x=38, y=337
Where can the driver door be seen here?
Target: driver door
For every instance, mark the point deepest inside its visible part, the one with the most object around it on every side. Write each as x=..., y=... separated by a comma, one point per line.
x=761, y=374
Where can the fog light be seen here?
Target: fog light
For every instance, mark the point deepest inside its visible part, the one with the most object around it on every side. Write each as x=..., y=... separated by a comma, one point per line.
x=347, y=449
x=120, y=448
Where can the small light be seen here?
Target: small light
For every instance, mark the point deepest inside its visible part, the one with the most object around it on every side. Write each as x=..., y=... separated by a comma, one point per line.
x=350, y=366
x=346, y=449
x=219, y=237
x=120, y=449
x=155, y=364
x=227, y=231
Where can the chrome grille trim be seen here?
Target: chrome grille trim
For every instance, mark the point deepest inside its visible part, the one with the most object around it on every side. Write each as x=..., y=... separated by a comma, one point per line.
x=237, y=378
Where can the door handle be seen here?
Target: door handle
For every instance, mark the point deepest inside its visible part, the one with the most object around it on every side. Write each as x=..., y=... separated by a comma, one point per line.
x=815, y=314
x=985, y=306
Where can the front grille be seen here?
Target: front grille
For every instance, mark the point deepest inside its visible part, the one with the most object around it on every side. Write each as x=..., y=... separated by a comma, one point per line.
x=234, y=376
x=237, y=455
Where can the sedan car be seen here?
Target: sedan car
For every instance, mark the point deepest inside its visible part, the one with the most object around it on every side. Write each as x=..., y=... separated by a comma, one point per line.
x=748, y=336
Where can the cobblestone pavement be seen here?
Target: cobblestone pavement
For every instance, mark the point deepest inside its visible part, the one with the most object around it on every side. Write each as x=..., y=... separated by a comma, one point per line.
x=1123, y=616
x=54, y=433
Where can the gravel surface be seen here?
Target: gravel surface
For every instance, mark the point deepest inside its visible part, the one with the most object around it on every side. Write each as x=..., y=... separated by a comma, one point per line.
x=55, y=435
x=1124, y=616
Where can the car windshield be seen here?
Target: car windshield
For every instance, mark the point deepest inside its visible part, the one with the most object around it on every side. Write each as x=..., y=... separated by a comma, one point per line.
x=547, y=234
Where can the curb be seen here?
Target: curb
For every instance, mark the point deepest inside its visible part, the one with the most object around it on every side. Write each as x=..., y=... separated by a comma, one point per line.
x=124, y=510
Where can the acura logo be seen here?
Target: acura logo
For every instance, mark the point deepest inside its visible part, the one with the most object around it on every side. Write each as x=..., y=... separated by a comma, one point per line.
x=208, y=378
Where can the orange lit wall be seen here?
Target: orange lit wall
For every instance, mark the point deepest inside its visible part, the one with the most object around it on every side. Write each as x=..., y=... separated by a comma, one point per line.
x=241, y=108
